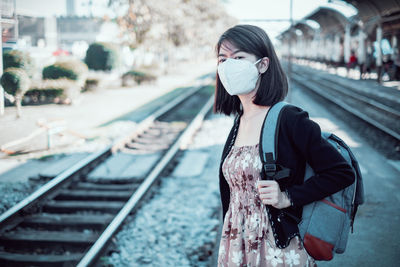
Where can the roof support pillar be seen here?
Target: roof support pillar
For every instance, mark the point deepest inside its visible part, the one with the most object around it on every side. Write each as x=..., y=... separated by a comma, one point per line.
x=379, y=52
x=379, y=45
x=346, y=45
x=329, y=46
x=316, y=45
x=395, y=47
x=361, y=46
x=337, y=48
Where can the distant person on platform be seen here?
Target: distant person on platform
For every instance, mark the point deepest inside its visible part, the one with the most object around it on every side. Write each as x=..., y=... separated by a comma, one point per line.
x=260, y=216
x=369, y=63
x=353, y=61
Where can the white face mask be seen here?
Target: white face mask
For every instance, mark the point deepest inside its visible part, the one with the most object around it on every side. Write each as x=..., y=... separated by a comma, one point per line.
x=238, y=76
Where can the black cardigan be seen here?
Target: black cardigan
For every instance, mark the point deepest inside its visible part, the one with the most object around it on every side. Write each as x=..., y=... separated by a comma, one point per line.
x=299, y=141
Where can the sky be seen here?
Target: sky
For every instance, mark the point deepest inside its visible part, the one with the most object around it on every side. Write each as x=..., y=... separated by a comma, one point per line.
x=241, y=9
x=279, y=9
x=54, y=7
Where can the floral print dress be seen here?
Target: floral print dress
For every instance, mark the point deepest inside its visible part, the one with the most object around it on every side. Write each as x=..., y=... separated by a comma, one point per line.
x=247, y=238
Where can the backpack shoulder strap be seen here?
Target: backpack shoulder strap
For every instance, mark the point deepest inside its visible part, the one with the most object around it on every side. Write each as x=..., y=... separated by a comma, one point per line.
x=269, y=140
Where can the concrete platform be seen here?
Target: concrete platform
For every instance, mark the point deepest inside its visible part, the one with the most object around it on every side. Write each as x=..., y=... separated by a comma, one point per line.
x=39, y=168
x=86, y=122
x=192, y=164
x=375, y=241
x=62, y=164
x=124, y=166
x=367, y=86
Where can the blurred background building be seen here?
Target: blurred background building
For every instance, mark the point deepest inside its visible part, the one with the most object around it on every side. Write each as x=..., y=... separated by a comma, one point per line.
x=64, y=27
x=151, y=34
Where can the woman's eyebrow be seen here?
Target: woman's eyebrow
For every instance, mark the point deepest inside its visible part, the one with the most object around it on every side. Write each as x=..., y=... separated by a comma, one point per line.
x=223, y=55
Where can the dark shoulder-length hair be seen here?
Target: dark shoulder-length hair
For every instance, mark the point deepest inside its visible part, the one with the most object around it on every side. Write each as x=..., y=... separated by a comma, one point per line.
x=273, y=86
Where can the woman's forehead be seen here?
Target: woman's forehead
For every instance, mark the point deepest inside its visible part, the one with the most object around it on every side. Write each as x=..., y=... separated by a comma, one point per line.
x=230, y=48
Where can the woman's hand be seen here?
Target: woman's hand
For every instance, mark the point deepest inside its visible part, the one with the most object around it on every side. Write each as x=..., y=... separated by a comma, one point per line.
x=271, y=194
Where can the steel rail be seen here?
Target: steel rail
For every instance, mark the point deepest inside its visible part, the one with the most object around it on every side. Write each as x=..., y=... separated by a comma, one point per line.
x=347, y=108
x=50, y=186
x=62, y=179
x=332, y=79
x=158, y=113
x=361, y=98
x=97, y=248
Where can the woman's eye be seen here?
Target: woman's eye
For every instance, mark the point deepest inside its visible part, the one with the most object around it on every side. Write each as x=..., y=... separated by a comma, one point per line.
x=239, y=57
x=221, y=60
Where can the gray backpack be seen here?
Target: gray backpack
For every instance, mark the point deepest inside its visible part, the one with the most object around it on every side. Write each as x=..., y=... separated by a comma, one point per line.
x=325, y=224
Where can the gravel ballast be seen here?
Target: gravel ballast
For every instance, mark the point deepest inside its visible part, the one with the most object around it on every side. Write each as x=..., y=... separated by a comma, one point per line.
x=16, y=183
x=179, y=225
x=12, y=193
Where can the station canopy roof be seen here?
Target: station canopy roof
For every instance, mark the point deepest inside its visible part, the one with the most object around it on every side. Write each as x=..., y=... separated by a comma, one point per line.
x=284, y=35
x=306, y=28
x=373, y=9
x=329, y=19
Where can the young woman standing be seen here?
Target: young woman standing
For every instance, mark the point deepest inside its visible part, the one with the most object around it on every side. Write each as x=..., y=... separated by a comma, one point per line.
x=250, y=80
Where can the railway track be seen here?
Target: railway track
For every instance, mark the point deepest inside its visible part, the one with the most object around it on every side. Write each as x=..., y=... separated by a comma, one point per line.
x=71, y=219
x=380, y=112
x=388, y=96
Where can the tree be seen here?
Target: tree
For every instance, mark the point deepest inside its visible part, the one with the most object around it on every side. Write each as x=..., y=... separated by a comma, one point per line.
x=179, y=22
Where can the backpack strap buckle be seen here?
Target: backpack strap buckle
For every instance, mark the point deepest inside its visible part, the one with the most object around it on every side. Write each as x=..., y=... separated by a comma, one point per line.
x=269, y=167
x=269, y=164
x=270, y=170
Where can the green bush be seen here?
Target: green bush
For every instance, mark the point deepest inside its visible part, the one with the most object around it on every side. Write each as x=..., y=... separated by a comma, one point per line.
x=91, y=84
x=137, y=76
x=52, y=91
x=18, y=59
x=70, y=69
x=15, y=81
x=55, y=72
x=42, y=96
x=101, y=56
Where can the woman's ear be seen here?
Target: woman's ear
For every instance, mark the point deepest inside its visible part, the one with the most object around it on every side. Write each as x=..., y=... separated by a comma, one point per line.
x=263, y=65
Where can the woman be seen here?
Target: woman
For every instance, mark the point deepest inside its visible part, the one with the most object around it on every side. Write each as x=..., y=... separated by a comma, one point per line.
x=250, y=80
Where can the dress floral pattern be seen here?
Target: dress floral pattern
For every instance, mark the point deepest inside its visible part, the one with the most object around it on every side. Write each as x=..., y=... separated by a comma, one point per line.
x=247, y=239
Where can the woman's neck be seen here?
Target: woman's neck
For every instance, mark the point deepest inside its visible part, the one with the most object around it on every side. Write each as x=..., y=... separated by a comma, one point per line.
x=249, y=108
